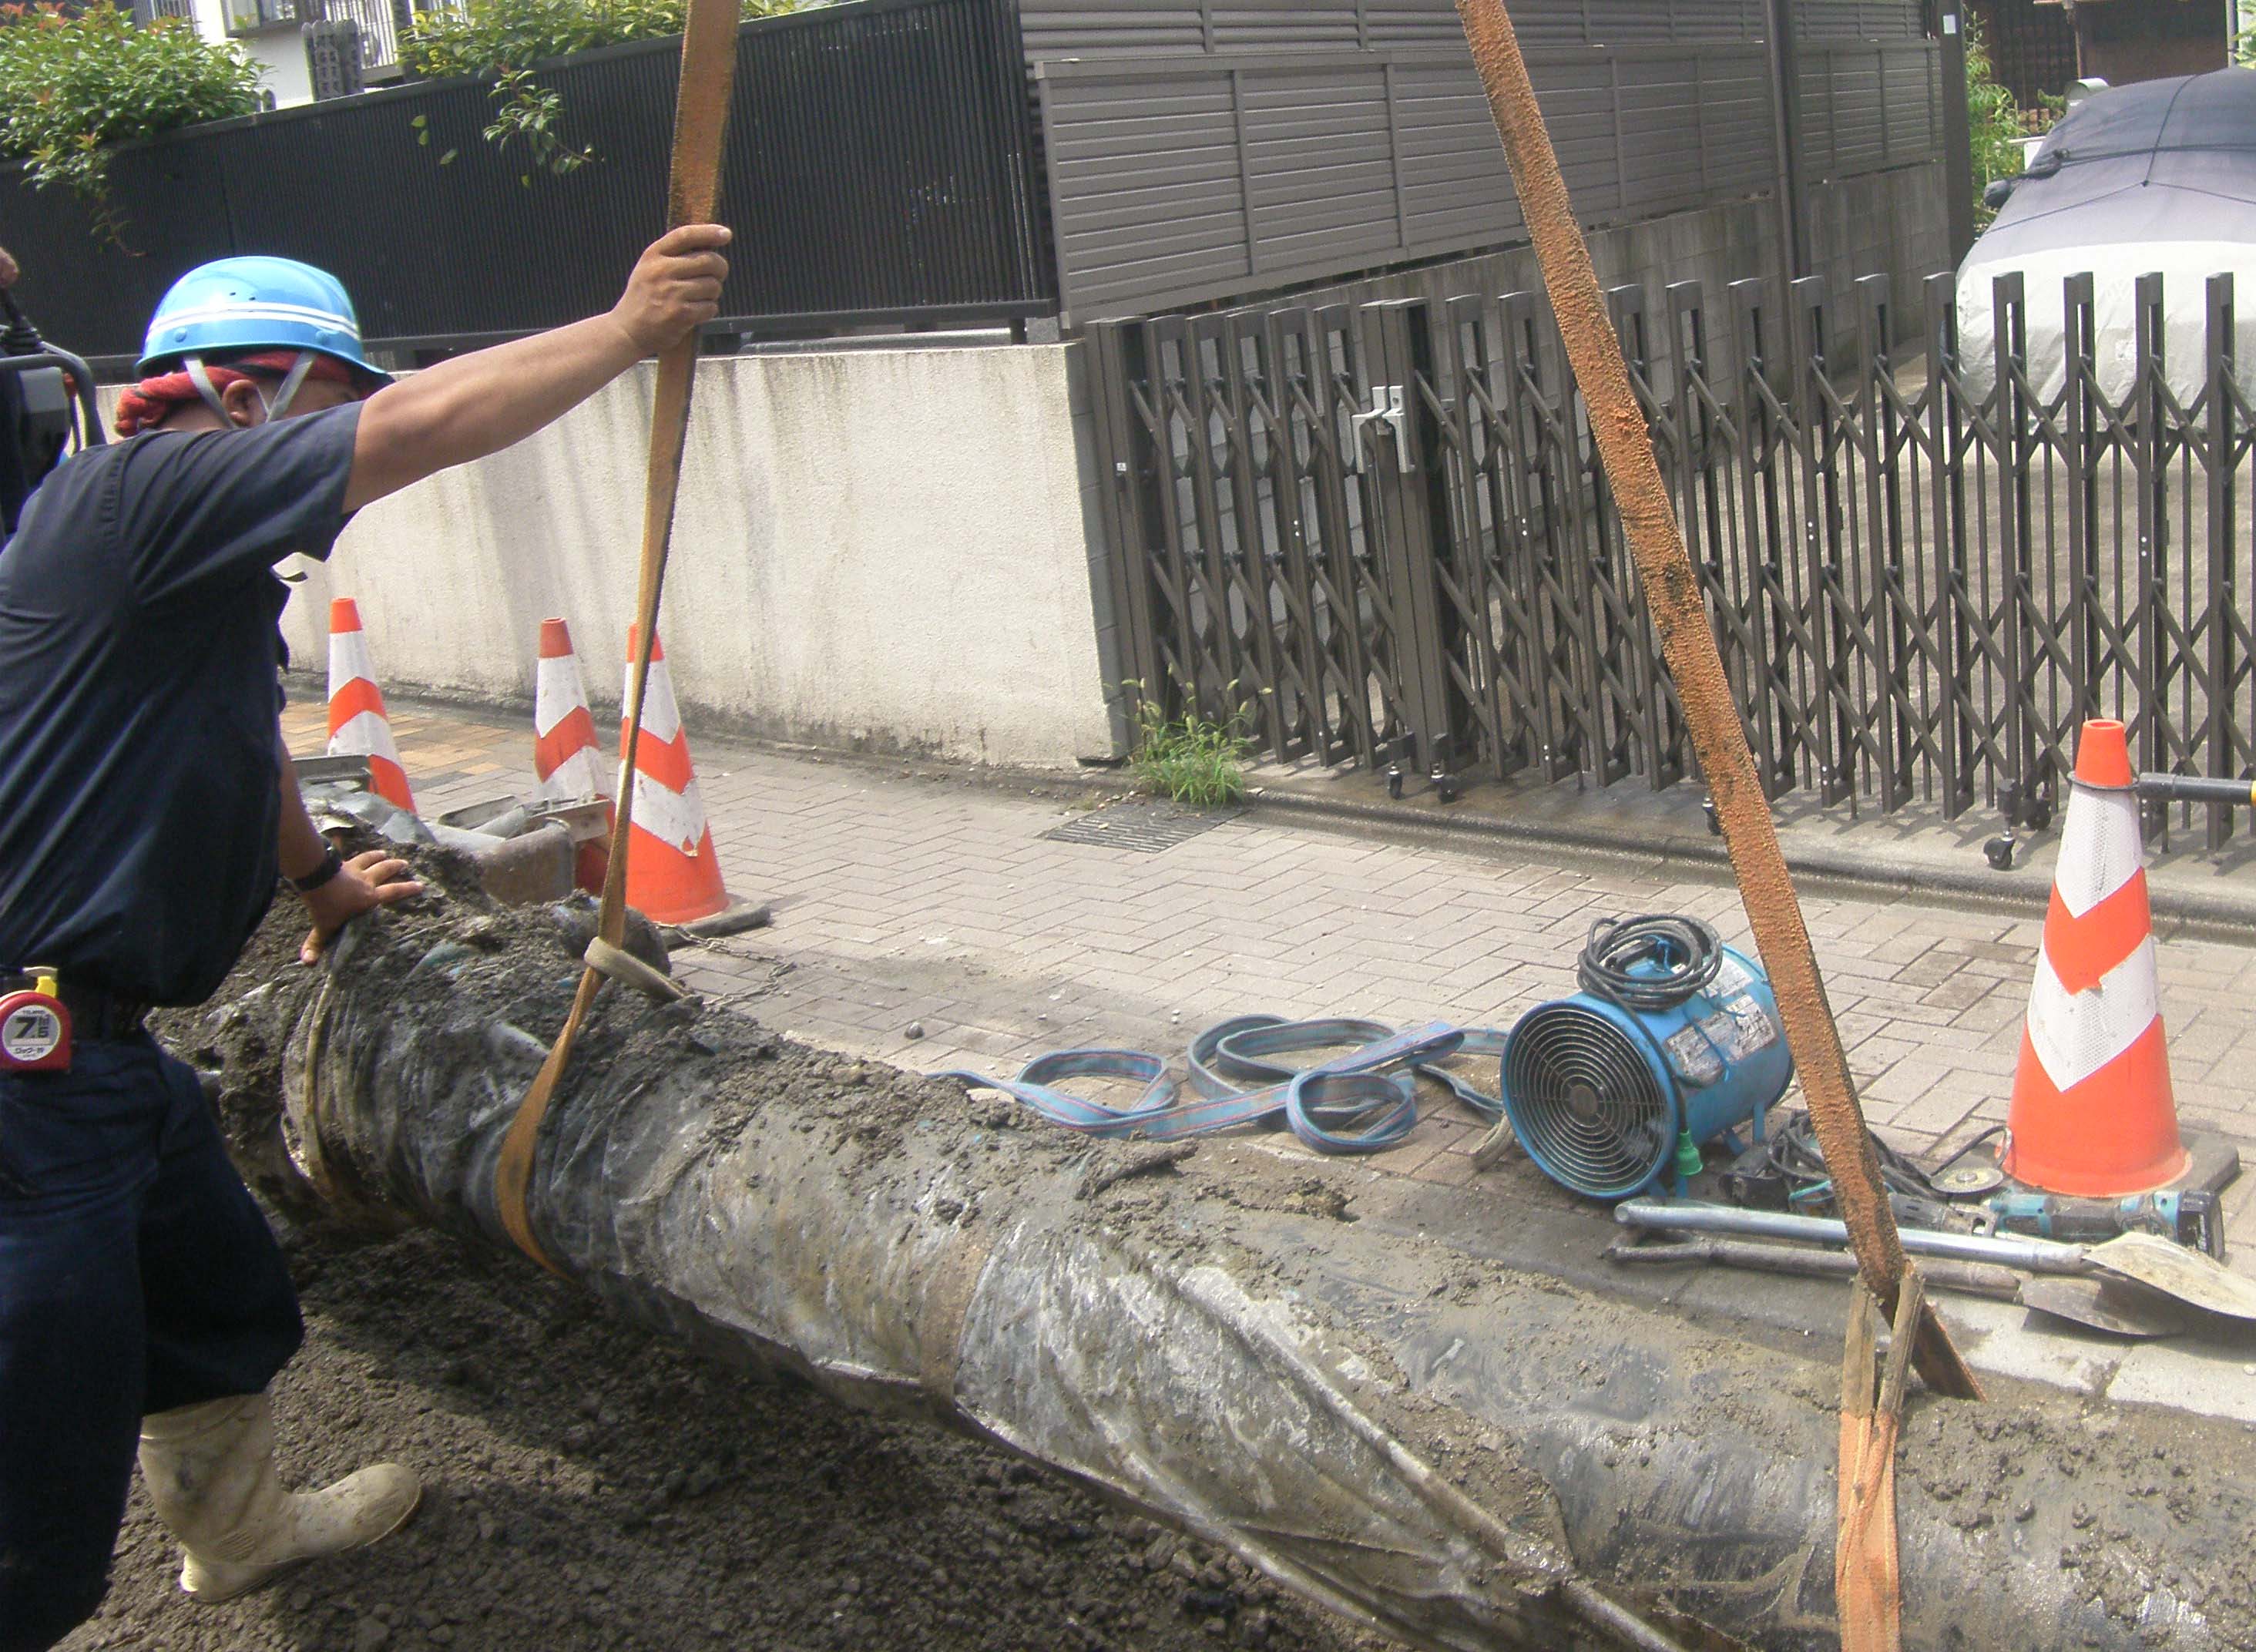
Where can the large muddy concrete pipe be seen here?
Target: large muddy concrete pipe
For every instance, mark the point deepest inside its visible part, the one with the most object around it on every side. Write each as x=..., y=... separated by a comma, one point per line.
x=1466, y=1456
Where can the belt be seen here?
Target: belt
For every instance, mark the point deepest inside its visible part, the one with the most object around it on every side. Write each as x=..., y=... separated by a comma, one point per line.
x=98, y=1017
x=1345, y=1104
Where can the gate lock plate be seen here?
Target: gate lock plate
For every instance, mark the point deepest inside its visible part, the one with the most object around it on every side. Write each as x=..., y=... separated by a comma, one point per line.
x=1385, y=406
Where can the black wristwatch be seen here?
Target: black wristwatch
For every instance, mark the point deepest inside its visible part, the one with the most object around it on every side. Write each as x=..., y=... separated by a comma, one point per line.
x=332, y=864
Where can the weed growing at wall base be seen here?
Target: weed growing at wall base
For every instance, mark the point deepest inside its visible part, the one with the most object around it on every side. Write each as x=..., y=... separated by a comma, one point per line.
x=1194, y=760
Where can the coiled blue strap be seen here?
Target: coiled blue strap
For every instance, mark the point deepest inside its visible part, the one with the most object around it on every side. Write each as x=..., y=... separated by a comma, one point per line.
x=1034, y=1082
x=1351, y=1112
x=1227, y=1057
x=1489, y=1043
x=1359, y=1117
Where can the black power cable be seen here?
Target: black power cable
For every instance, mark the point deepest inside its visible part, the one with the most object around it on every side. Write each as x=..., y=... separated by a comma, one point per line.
x=1794, y=1155
x=1618, y=960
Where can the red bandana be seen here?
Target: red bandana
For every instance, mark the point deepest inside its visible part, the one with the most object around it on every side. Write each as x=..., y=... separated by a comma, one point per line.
x=151, y=402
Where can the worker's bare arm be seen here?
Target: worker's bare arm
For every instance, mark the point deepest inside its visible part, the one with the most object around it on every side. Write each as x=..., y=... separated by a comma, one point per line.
x=302, y=846
x=480, y=404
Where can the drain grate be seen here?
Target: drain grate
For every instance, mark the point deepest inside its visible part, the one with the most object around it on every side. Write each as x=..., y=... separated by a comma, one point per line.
x=1146, y=827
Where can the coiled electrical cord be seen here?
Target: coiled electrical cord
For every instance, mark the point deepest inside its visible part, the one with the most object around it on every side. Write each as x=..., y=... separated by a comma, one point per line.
x=1688, y=952
x=1794, y=1155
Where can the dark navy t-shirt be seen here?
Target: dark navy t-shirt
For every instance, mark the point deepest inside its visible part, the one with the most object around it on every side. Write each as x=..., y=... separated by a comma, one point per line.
x=139, y=639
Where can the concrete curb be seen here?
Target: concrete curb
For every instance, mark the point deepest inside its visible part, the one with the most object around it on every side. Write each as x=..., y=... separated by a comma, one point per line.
x=2177, y=911
x=2191, y=913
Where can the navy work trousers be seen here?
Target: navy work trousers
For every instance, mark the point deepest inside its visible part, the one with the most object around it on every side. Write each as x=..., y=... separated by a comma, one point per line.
x=136, y=1274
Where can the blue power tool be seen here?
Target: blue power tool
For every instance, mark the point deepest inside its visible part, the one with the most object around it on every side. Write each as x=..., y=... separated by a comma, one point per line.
x=2189, y=1218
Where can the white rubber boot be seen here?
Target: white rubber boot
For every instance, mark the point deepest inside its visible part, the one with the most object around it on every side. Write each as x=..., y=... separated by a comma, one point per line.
x=210, y=1473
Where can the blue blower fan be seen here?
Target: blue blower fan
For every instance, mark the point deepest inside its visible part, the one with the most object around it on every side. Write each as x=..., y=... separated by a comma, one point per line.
x=1673, y=1040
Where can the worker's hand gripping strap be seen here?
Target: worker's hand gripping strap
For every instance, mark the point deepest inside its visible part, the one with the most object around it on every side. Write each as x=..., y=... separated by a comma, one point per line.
x=1680, y=618
x=700, y=117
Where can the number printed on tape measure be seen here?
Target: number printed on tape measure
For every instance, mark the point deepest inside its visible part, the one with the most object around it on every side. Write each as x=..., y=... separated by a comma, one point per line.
x=30, y=1033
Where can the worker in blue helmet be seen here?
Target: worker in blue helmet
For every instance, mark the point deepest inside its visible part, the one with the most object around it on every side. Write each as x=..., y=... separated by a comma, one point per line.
x=146, y=809
x=241, y=318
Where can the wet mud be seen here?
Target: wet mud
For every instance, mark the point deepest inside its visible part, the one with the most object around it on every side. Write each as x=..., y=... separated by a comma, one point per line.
x=1281, y=1357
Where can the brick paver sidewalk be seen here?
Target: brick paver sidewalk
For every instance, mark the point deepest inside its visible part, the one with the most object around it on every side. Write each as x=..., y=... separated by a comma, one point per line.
x=907, y=902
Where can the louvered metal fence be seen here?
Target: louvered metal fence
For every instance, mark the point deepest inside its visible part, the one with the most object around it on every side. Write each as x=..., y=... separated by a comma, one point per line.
x=1381, y=536
x=880, y=168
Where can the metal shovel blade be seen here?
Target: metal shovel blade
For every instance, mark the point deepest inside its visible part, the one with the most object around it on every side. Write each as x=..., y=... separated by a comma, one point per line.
x=2187, y=1275
x=2115, y=1306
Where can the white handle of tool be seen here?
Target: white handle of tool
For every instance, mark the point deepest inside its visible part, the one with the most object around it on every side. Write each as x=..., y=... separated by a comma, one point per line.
x=2032, y=1255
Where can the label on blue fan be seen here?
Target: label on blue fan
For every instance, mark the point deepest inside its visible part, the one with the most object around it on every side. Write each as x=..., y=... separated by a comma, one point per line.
x=1699, y=1053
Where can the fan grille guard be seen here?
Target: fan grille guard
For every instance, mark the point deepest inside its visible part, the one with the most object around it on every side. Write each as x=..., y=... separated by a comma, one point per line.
x=1584, y=1101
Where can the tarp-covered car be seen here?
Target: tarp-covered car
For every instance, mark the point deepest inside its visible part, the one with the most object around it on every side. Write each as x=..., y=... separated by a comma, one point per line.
x=2157, y=177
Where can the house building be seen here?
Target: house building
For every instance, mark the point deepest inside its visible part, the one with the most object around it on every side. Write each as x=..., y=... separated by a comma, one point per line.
x=305, y=49
x=2037, y=47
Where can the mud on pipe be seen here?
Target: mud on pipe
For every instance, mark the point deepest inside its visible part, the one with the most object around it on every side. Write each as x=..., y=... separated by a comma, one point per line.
x=1370, y=1417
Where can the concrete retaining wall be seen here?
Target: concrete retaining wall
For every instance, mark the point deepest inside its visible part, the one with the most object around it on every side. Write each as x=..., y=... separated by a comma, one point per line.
x=1893, y=223
x=883, y=550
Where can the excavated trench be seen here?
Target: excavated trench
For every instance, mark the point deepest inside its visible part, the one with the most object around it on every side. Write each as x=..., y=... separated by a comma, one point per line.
x=1272, y=1354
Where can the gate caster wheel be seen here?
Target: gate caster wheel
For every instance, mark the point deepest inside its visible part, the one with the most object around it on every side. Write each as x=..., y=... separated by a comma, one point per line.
x=1394, y=781
x=2000, y=853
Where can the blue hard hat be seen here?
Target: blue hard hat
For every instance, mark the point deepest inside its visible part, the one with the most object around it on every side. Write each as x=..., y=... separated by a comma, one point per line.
x=235, y=305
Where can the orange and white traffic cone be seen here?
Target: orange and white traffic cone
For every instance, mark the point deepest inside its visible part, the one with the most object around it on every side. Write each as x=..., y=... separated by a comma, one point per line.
x=673, y=876
x=2092, y=1112
x=563, y=729
x=357, y=724
x=564, y=747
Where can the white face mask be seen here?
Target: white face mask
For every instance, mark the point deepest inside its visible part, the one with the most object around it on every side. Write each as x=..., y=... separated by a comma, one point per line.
x=194, y=366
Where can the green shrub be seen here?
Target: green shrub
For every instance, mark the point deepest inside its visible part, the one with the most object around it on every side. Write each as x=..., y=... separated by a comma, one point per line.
x=495, y=36
x=72, y=86
x=503, y=38
x=1192, y=760
x=1995, y=118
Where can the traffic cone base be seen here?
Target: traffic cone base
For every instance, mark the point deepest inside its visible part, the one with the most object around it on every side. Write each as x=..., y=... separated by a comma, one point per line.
x=358, y=726
x=673, y=875
x=2092, y=1112
x=2145, y=1155
x=686, y=909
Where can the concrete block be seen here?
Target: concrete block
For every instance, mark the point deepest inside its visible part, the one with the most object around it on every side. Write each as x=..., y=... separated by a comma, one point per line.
x=523, y=871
